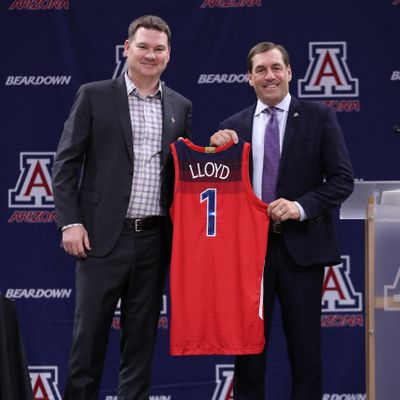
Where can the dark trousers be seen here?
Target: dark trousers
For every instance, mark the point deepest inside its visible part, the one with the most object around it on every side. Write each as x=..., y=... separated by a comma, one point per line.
x=134, y=272
x=298, y=289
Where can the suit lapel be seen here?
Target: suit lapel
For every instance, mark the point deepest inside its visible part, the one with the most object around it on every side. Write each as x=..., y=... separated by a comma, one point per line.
x=169, y=120
x=292, y=124
x=122, y=109
x=246, y=124
x=245, y=130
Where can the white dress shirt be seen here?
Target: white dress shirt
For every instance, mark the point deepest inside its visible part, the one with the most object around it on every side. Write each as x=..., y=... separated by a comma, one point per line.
x=260, y=121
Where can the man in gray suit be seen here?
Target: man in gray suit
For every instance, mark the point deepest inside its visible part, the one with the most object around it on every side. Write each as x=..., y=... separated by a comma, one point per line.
x=112, y=186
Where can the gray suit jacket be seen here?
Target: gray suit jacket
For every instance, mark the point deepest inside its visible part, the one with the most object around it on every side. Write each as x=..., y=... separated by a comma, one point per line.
x=93, y=167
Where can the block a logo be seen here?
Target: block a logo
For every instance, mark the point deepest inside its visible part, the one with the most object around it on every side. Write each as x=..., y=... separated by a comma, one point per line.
x=33, y=188
x=328, y=74
x=120, y=60
x=338, y=294
x=224, y=381
x=392, y=294
x=44, y=381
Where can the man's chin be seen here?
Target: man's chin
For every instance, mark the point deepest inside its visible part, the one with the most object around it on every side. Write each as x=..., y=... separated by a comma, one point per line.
x=151, y=71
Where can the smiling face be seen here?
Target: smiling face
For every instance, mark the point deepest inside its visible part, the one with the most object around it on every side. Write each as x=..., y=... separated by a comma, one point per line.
x=148, y=53
x=270, y=77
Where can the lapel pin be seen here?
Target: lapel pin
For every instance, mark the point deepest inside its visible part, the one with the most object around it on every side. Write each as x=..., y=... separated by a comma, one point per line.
x=172, y=120
x=296, y=114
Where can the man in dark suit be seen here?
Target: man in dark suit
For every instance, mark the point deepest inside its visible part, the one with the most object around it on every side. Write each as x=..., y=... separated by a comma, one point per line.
x=314, y=177
x=112, y=185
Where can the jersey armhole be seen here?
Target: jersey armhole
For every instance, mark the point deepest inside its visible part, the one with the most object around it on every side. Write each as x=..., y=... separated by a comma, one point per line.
x=176, y=177
x=246, y=178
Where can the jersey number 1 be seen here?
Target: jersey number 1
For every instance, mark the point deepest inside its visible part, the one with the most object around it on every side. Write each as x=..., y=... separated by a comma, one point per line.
x=210, y=195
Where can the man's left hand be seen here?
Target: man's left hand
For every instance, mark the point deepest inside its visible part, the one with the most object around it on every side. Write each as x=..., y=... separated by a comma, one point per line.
x=282, y=210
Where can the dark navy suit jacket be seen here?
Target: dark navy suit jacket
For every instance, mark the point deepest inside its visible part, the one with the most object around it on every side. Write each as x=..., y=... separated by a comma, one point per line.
x=314, y=170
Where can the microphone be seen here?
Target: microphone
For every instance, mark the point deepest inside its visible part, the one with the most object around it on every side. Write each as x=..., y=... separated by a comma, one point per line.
x=396, y=128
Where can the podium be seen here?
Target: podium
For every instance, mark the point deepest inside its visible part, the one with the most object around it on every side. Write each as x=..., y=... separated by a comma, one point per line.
x=379, y=204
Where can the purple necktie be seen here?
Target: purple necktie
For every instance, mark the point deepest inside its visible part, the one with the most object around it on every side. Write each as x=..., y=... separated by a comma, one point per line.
x=271, y=157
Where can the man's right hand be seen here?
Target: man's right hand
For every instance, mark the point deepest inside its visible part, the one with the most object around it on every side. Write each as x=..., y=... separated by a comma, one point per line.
x=223, y=137
x=75, y=241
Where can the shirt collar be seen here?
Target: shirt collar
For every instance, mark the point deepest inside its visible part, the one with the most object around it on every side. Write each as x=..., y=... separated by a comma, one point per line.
x=283, y=105
x=132, y=89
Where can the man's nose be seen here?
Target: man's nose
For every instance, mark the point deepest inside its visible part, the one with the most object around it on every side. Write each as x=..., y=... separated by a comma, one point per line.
x=269, y=74
x=150, y=53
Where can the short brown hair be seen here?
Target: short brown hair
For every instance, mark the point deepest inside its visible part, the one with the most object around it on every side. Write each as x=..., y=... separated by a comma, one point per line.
x=263, y=47
x=149, y=22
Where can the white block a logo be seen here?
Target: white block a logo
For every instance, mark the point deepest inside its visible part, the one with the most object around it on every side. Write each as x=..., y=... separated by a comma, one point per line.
x=33, y=189
x=44, y=381
x=338, y=293
x=328, y=74
x=120, y=61
x=392, y=294
x=224, y=380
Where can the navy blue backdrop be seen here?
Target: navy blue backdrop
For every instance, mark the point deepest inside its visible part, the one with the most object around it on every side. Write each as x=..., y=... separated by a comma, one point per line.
x=343, y=53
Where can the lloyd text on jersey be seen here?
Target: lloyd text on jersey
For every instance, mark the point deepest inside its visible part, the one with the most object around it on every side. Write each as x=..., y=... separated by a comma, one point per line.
x=209, y=169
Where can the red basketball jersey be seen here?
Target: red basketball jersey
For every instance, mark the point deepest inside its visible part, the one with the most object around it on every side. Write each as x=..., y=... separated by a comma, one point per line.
x=218, y=253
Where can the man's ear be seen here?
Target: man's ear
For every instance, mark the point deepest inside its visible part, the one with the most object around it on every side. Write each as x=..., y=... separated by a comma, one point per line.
x=250, y=78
